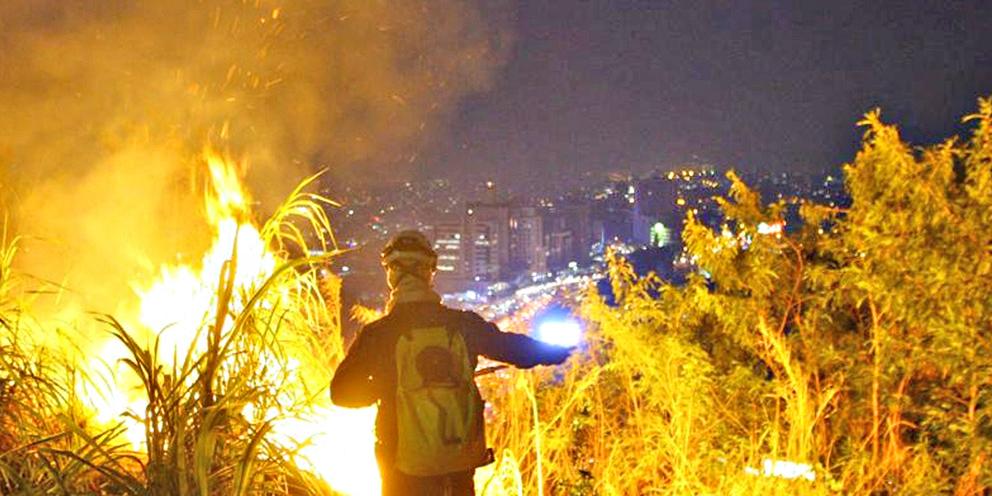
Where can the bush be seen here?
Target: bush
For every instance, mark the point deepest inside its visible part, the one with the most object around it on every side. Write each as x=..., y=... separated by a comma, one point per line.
x=859, y=346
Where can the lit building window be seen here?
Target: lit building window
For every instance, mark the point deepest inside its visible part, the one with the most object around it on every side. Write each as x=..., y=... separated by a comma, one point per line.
x=660, y=235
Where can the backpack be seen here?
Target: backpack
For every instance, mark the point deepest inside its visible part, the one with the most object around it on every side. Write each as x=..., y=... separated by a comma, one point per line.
x=439, y=411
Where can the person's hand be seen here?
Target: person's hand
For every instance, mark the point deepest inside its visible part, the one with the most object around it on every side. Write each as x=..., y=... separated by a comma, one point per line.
x=558, y=354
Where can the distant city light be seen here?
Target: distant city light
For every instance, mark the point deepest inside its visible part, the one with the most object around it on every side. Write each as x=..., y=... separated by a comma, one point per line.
x=560, y=332
x=660, y=235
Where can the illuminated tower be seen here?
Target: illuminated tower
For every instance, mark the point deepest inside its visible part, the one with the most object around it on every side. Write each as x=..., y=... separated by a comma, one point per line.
x=527, y=252
x=487, y=240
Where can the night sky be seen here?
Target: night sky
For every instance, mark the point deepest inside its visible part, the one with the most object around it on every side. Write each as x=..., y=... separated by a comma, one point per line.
x=756, y=86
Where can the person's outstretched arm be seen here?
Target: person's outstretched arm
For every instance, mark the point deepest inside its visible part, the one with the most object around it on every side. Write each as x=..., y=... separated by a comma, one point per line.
x=352, y=385
x=515, y=349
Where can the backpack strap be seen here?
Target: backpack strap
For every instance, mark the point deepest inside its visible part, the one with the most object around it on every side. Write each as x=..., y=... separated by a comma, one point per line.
x=455, y=321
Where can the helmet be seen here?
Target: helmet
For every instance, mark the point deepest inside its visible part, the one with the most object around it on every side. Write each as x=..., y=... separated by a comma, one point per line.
x=409, y=247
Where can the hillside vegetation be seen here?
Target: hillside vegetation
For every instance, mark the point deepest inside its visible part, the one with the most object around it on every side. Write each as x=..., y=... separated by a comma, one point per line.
x=859, y=346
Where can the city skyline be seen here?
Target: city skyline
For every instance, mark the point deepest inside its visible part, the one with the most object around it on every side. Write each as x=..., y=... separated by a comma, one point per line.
x=493, y=240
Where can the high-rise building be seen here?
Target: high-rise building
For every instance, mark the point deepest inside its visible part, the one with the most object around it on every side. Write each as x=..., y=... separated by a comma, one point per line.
x=449, y=242
x=657, y=198
x=568, y=234
x=612, y=213
x=527, y=253
x=487, y=240
x=559, y=248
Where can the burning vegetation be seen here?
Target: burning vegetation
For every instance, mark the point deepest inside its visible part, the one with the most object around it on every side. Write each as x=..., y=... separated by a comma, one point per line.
x=217, y=384
x=213, y=377
x=222, y=336
x=105, y=107
x=157, y=337
x=838, y=359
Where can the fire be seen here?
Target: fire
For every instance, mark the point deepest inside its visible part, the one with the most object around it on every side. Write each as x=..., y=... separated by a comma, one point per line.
x=334, y=443
x=178, y=301
x=338, y=444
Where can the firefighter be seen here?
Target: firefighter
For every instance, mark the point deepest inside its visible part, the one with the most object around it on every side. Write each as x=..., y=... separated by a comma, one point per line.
x=417, y=363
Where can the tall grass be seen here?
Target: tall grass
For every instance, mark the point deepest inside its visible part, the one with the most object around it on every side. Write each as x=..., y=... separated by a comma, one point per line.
x=858, y=347
x=269, y=351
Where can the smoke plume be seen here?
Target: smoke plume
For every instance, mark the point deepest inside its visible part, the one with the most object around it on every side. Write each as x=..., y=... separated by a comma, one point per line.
x=105, y=106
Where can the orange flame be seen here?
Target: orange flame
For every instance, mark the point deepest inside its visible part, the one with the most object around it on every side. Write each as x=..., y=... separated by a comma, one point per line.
x=334, y=443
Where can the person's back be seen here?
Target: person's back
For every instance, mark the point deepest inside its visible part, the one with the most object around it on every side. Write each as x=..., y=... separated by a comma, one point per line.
x=417, y=363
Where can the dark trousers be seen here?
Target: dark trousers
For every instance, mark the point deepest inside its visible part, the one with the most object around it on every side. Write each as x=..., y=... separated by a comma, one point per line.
x=396, y=483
